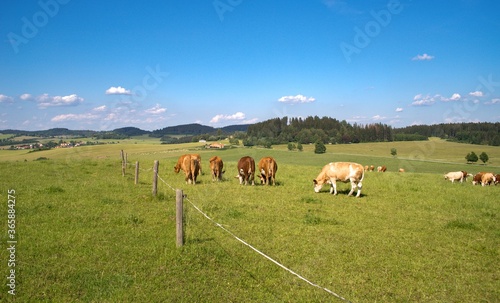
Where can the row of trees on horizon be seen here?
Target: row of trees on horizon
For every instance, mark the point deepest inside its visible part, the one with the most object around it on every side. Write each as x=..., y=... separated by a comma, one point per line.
x=330, y=130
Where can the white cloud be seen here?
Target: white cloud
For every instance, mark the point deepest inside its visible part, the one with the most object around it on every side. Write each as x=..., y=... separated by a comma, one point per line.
x=455, y=97
x=399, y=109
x=45, y=100
x=156, y=110
x=296, y=99
x=118, y=91
x=422, y=57
x=493, y=101
x=26, y=97
x=477, y=93
x=100, y=108
x=74, y=117
x=421, y=100
x=378, y=118
x=4, y=98
x=236, y=116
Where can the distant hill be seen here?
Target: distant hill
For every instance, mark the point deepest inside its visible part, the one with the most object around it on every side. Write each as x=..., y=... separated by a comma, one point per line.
x=195, y=129
x=130, y=131
x=235, y=128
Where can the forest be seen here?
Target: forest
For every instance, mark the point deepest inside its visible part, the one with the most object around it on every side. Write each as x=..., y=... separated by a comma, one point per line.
x=330, y=130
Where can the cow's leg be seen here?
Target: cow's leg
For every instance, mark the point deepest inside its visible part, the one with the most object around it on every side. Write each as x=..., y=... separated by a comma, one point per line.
x=353, y=186
x=333, y=189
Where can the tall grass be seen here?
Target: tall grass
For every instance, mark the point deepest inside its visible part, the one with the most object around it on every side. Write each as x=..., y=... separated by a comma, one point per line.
x=88, y=234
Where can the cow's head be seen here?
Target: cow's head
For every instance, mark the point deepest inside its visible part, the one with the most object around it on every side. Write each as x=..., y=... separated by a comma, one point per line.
x=317, y=185
x=177, y=168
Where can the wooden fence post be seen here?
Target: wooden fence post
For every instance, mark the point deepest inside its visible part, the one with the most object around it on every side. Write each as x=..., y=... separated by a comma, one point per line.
x=136, y=180
x=155, y=177
x=123, y=162
x=179, y=217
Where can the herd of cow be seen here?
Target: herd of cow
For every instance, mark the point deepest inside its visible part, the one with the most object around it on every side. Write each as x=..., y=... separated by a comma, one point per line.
x=267, y=167
x=330, y=174
x=191, y=165
x=483, y=178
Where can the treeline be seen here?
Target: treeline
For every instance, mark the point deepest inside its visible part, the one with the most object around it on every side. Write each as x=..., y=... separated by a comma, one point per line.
x=53, y=132
x=11, y=141
x=315, y=129
x=484, y=133
x=330, y=130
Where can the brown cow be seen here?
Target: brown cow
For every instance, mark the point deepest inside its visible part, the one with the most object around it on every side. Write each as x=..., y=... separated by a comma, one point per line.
x=497, y=179
x=246, y=170
x=487, y=179
x=477, y=178
x=190, y=164
x=216, y=168
x=267, y=169
x=340, y=171
x=180, y=163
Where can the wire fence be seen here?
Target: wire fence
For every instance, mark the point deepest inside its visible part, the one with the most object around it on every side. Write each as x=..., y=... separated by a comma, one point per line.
x=247, y=244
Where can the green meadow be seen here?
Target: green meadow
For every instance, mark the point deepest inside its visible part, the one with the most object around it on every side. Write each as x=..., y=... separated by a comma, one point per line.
x=85, y=233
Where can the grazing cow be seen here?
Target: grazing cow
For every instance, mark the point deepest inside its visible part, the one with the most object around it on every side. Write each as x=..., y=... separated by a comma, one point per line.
x=497, y=179
x=180, y=163
x=267, y=169
x=190, y=164
x=367, y=167
x=456, y=176
x=246, y=170
x=216, y=167
x=401, y=170
x=487, y=179
x=372, y=167
x=477, y=178
x=381, y=169
x=340, y=171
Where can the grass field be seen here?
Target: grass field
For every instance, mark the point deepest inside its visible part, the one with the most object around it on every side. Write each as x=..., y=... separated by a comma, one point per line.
x=85, y=233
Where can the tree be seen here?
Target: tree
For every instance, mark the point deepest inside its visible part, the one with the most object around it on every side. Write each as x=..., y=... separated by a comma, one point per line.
x=291, y=146
x=394, y=152
x=484, y=157
x=319, y=148
x=471, y=157
x=299, y=146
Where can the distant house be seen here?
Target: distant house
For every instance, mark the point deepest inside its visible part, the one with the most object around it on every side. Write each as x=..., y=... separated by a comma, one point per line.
x=216, y=145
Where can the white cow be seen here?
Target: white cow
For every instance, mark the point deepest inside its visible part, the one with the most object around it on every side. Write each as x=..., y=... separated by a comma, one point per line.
x=456, y=176
x=340, y=171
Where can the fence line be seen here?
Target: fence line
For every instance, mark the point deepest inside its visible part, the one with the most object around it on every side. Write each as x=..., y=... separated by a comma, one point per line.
x=255, y=249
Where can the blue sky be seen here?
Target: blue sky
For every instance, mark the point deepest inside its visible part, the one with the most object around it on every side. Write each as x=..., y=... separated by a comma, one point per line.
x=102, y=65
